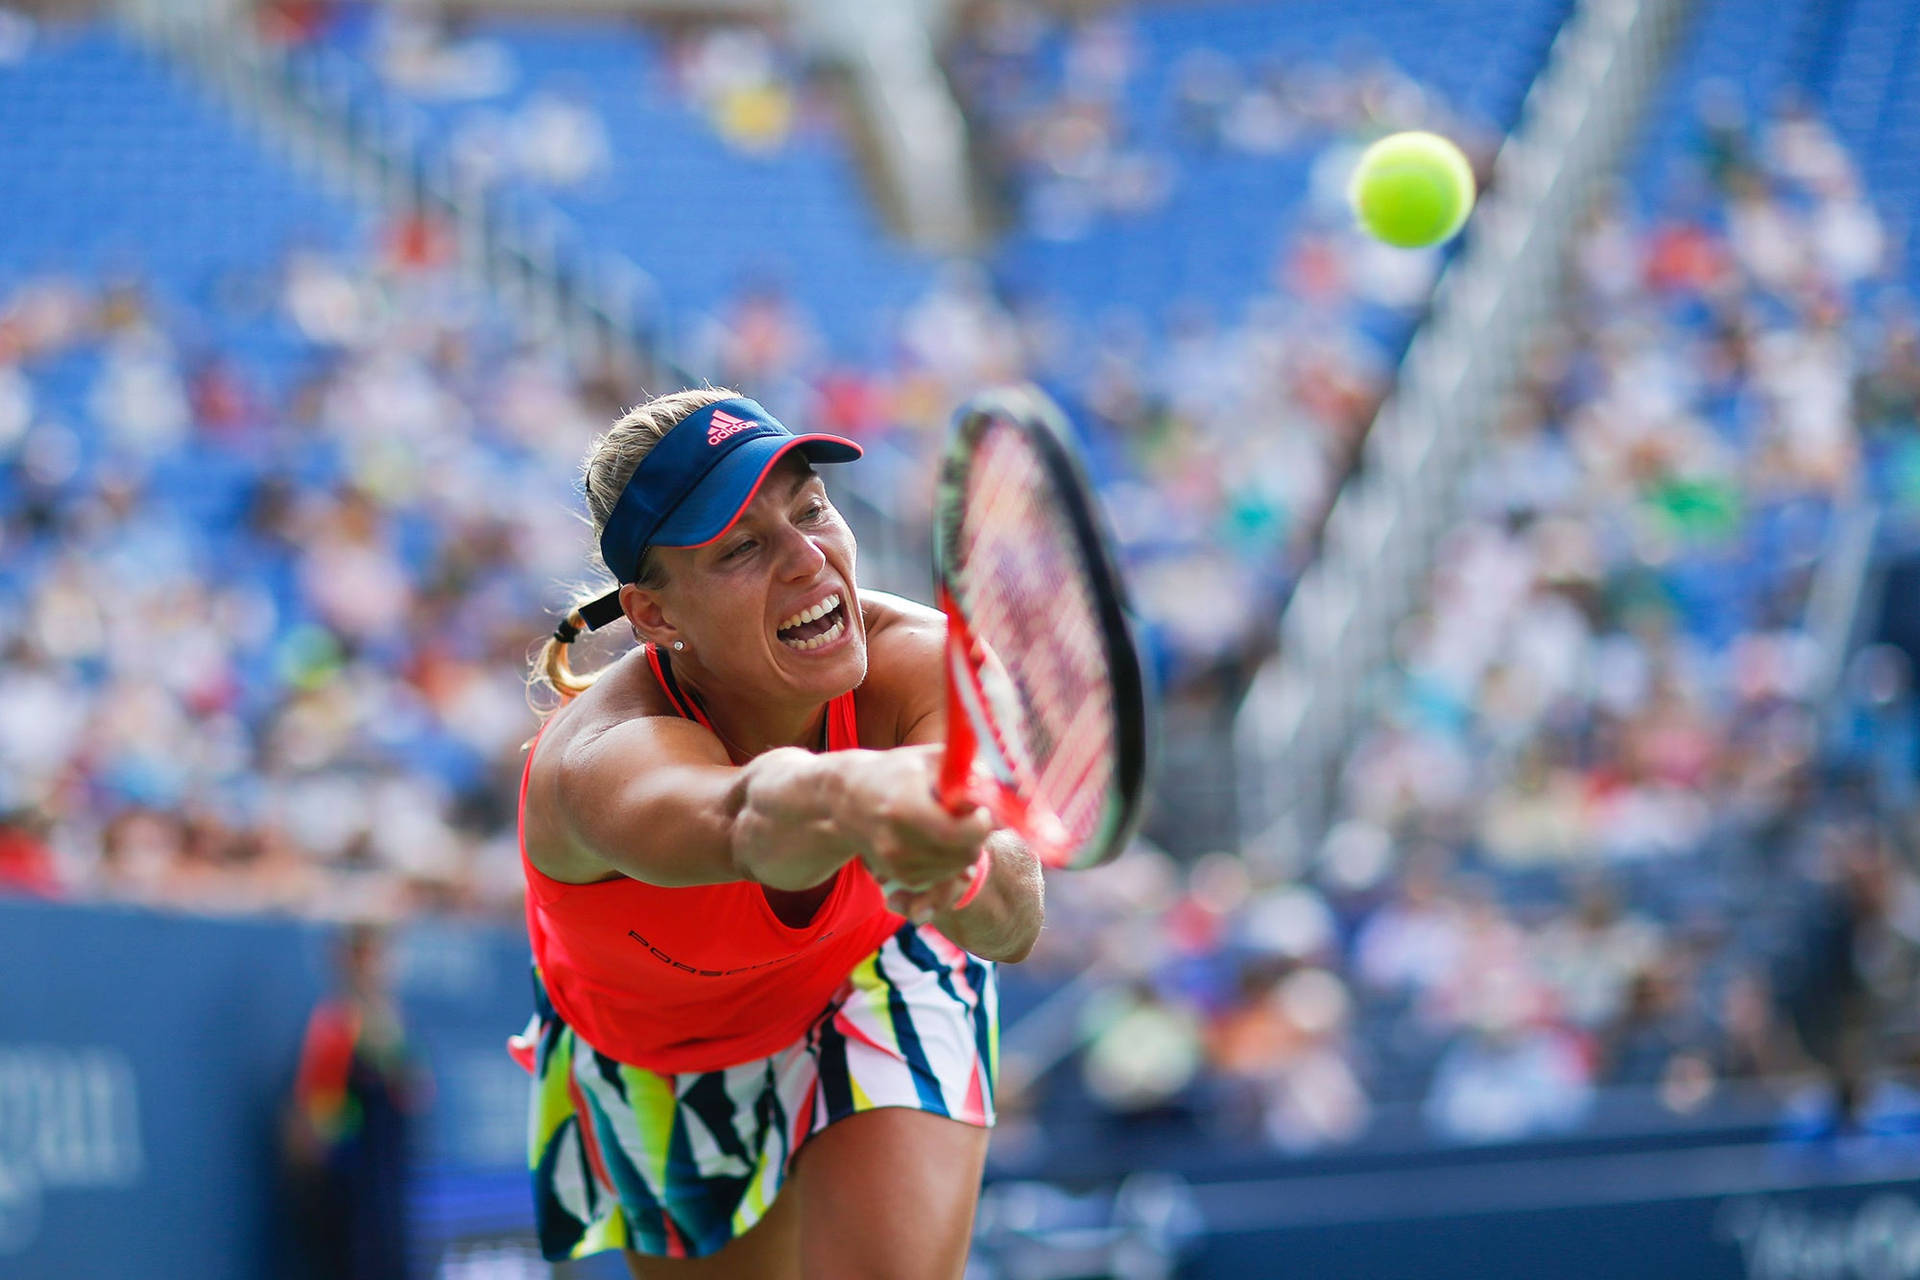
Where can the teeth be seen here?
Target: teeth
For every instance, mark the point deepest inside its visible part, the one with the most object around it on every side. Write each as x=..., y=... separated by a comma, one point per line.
x=826, y=606
x=828, y=636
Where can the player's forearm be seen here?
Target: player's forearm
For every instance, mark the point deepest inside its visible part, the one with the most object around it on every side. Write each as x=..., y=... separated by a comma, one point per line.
x=1003, y=921
x=795, y=818
x=784, y=829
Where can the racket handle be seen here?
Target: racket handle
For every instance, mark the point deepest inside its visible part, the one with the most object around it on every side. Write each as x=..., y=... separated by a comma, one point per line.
x=953, y=791
x=956, y=767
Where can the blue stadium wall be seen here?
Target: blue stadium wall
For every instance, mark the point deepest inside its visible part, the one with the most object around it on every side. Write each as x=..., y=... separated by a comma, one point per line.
x=145, y=1060
x=1662, y=1214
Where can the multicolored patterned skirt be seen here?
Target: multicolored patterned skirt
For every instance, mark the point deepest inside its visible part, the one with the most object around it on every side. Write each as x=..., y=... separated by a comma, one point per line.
x=678, y=1165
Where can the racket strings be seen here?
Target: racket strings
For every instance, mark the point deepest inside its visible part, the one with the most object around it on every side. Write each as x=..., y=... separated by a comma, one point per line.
x=1023, y=587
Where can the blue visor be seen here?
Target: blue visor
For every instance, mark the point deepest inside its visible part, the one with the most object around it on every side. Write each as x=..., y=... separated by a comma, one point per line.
x=696, y=481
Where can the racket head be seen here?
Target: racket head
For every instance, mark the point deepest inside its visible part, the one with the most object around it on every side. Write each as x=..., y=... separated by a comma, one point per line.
x=1047, y=721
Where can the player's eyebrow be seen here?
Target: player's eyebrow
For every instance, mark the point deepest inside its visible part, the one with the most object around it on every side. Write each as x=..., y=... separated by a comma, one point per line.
x=800, y=479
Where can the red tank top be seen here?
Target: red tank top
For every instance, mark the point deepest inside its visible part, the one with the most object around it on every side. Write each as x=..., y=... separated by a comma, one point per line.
x=702, y=977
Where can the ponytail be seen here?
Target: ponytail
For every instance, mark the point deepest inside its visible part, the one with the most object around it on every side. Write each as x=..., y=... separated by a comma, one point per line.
x=553, y=667
x=611, y=461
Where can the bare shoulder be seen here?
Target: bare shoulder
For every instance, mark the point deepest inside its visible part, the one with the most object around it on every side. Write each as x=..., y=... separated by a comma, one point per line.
x=905, y=642
x=621, y=723
x=897, y=617
x=904, y=638
x=625, y=691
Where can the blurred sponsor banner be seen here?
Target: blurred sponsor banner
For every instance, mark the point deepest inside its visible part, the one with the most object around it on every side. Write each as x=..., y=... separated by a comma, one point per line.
x=1751, y=1213
x=145, y=1060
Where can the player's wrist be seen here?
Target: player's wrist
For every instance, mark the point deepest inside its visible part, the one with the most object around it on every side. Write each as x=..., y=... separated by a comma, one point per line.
x=787, y=833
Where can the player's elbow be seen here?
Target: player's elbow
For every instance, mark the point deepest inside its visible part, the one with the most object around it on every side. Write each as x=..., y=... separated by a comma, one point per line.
x=1017, y=941
x=1018, y=950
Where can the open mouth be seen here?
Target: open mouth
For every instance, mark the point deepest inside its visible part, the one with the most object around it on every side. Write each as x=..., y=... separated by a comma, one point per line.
x=811, y=628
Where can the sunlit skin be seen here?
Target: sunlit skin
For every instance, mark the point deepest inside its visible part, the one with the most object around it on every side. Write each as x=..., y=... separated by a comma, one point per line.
x=622, y=785
x=884, y=1195
x=725, y=601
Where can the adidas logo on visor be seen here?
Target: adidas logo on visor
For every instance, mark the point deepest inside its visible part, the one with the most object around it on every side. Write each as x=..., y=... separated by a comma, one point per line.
x=723, y=424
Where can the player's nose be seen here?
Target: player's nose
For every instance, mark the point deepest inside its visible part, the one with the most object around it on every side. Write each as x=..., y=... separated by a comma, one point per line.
x=800, y=556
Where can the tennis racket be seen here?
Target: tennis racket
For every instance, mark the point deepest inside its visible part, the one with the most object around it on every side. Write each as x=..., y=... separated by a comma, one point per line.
x=1046, y=711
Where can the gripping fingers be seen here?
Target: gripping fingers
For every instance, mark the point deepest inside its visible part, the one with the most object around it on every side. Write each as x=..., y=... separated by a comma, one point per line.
x=930, y=848
x=920, y=905
x=963, y=830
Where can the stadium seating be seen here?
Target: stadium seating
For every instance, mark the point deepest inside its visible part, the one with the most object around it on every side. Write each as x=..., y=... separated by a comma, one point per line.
x=213, y=362
x=708, y=218
x=1693, y=554
x=1232, y=205
x=1172, y=233
x=1214, y=120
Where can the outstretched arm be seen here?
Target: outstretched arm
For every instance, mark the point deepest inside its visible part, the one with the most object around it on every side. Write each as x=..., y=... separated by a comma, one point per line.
x=655, y=798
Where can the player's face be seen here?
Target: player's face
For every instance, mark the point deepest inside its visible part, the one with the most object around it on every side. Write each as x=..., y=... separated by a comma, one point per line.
x=772, y=603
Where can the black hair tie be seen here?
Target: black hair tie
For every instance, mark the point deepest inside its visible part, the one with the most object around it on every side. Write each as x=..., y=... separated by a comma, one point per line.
x=567, y=631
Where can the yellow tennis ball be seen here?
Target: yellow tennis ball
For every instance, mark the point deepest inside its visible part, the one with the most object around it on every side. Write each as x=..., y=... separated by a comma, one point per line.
x=1412, y=189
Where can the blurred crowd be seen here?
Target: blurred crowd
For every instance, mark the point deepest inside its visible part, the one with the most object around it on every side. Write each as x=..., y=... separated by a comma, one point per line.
x=1220, y=418
x=279, y=596
x=267, y=620
x=1082, y=129
x=1221, y=422
x=263, y=643
x=1614, y=652
x=1606, y=831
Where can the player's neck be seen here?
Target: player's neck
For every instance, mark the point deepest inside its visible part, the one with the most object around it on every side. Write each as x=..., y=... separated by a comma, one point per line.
x=751, y=726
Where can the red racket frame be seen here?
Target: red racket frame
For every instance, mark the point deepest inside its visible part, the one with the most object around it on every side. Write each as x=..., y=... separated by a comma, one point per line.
x=966, y=778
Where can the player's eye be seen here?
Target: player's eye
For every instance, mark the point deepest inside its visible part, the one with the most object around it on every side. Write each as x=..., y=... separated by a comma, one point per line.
x=814, y=511
x=739, y=550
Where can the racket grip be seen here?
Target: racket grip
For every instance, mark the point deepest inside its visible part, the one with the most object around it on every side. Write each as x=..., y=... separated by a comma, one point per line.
x=956, y=771
x=956, y=766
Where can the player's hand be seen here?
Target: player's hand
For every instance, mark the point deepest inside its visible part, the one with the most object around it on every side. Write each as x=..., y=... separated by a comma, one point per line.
x=907, y=838
x=920, y=906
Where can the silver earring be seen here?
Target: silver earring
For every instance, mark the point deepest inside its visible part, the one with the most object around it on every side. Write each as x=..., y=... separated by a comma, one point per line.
x=679, y=645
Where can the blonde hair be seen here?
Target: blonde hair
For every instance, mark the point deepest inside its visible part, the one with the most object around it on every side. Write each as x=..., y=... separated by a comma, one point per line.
x=611, y=461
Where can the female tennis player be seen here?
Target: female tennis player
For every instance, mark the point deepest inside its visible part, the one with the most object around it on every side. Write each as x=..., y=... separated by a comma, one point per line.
x=765, y=1039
